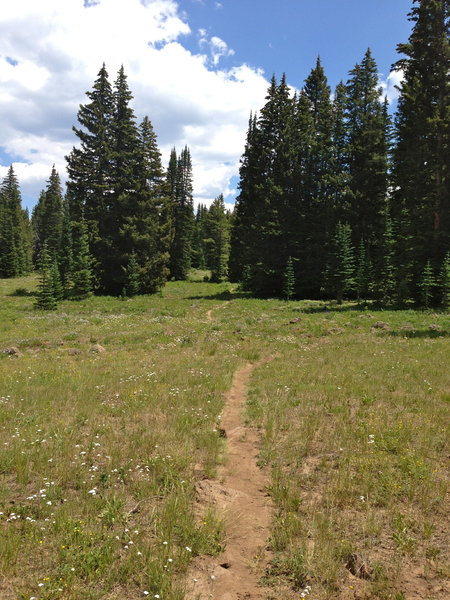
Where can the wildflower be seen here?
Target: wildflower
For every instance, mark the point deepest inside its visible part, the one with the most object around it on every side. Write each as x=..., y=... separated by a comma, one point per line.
x=145, y=593
x=188, y=549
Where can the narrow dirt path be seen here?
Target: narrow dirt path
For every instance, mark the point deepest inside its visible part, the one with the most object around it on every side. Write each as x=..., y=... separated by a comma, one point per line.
x=240, y=495
x=211, y=310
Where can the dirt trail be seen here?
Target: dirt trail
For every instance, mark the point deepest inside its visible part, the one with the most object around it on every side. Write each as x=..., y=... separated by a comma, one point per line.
x=240, y=494
x=211, y=310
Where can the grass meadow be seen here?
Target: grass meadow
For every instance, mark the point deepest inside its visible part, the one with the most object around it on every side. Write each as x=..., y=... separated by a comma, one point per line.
x=110, y=412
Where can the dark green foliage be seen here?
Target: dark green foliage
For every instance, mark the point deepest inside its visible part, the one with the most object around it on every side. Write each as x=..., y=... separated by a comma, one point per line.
x=15, y=231
x=444, y=282
x=58, y=290
x=288, y=280
x=132, y=284
x=421, y=157
x=386, y=281
x=47, y=218
x=198, y=237
x=82, y=275
x=426, y=286
x=65, y=257
x=179, y=180
x=216, y=239
x=340, y=273
x=46, y=296
x=117, y=185
x=367, y=152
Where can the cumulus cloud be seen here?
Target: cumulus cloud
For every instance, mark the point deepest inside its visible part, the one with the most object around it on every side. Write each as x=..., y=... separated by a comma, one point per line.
x=390, y=85
x=51, y=52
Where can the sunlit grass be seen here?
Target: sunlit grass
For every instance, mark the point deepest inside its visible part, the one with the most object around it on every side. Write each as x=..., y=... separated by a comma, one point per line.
x=109, y=412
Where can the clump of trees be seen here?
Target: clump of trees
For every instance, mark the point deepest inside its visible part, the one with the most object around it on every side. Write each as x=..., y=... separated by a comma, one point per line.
x=360, y=205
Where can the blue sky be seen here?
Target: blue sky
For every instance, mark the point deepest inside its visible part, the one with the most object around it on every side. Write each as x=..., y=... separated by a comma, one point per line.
x=288, y=35
x=196, y=68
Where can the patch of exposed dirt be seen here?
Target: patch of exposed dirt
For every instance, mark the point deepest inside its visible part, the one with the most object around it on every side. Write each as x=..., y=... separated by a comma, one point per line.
x=240, y=494
x=211, y=310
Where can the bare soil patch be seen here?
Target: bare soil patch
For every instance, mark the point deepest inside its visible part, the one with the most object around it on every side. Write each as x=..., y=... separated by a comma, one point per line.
x=240, y=494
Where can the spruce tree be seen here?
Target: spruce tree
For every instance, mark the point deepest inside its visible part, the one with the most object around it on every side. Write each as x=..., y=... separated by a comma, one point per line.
x=367, y=154
x=132, y=284
x=65, y=255
x=340, y=275
x=426, y=286
x=421, y=164
x=90, y=170
x=48, y=217
x=15, y=257
x=444, y=282
x=288, y=281
x=216, y=240
x=183, y=214
x=82, y=275
x=46, y=298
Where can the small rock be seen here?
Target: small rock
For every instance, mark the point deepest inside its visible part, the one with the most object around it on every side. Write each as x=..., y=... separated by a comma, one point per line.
x=358, y=567
x=97, y=348
x=13, y=351
x=73, y=351
x=435, y=327
x=380, y=325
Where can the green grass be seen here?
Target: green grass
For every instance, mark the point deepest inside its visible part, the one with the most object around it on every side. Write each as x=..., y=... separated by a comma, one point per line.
x=100, y=451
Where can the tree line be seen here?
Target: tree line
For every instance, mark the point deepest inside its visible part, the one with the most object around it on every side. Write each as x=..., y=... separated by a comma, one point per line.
x=336, y=198
x=340, y=200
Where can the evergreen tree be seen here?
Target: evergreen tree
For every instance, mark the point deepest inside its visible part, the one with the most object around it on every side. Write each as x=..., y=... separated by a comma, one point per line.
x=367, y=154
x=198, y=237
x=316, y=190
x=183, y=215
x=58, y=291
x=65, y=256
x=341, y=264
x=444, y=282
x=90, y=171
x=48, y=218
x=82, y=276
x=216, y=231
x=14, y=229
x=421, y=155
x=46, y=298
x=387, y=280
x=288, y=280
x=363, y=275
x=132, y=284
x=426, y=286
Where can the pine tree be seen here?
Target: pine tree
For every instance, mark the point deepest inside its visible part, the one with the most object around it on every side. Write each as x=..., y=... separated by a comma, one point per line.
x=183, y=215
x=46, y=299
x=444, y=282
x=426, y=286
x=367, y=152
x=387, y=280
x=216, y=231
x=341, y=264
x=90, y=170
x=58, y=291
x=198, y=237
x=14, y=229
x=48, y=218
x=288, y=281
x=132, y=284
x=65, y=256
x=421, y=155
x=82, y=276
x=316, y=189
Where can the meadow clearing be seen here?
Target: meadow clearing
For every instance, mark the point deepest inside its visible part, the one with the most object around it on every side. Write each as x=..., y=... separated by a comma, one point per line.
x=110, y=416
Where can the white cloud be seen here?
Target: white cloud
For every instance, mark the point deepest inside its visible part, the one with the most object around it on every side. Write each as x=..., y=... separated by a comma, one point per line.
x=390, y=85
x=52, y=50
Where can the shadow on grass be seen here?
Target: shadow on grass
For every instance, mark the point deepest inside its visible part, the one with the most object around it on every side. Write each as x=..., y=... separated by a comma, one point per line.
x=419, y=333
x=225, y=295
x=22, y=293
